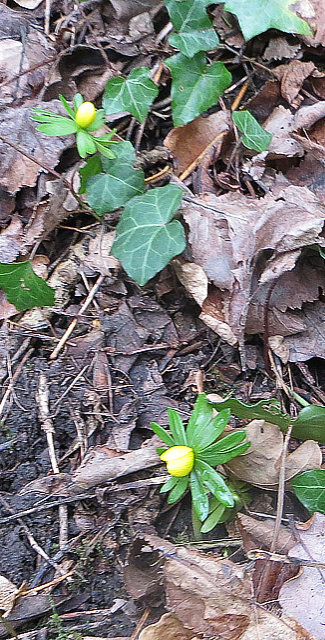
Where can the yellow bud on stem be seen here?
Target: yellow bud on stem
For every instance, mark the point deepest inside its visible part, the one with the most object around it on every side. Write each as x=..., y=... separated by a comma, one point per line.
x=179, y=460
x=85, y=114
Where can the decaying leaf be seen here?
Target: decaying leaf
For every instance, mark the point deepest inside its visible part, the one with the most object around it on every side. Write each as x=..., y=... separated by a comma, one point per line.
x=8, y=595
x=260, y=464
x=303, y=596
x=168, y=627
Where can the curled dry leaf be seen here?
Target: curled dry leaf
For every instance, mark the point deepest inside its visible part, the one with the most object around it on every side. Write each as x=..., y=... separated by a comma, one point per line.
x=292, y=77
x=260, y=464
x=8, y=595
x=168, y=627
x=303, y=597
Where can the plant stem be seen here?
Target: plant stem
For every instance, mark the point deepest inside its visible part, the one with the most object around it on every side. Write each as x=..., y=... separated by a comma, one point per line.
x=196, y=524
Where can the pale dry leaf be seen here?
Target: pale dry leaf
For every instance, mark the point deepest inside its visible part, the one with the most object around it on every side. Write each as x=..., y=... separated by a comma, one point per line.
x=28, y=4
x=99, y=258
x=189, y=141
x=281, y=123
x=313, y=11
x=258, y=534
x=8, y=595
x=279, y=48
x=307, y=116
x=194, y=279
x=292, y=77
x=303, y=596
x=11, y=240
x=168, y=627
x=311, y=342
x=260, y=464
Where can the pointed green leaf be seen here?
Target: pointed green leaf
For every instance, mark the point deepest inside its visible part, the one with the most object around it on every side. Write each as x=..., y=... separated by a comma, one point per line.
x=85, y=144
x=134, y=94
x=310, y=424
x=63, y=127
x=118, y=183
x=213, y=430
x=177, y=427
x=199, y=496
x=214, y=518
x=254, y=136
x=215, y=483
x=196, y=86
x=202, y=414
x=257, y=16
x=146, y=237
x=178, y=491
x=67, y=107
x=169, y=485
x=222, y=452
x=23, y=287
x=268, y=410
x=98, y=122
x=309, y=488
x=77, y=101
x=162, y=434
x=191, y=42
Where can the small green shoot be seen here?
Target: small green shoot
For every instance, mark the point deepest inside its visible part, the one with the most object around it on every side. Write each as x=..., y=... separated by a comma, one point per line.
x=83, y=119
x=192, y=453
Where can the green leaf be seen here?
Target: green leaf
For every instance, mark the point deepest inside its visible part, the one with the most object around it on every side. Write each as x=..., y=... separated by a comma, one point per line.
x=169, y=485
x=268, y=410
x=177, y=427
x=310, y=424
x=226, y=449
x=189, y=14
x=77, y=101
x=199, y=496
x=309, y=488
x=212, y=430
x=59, y=127
x=257, y=16
x=67, y=106
x=105, y=150
x=85, y=144
x=91, y=168
x=162, y=434
x=178, y=491
x=134, y=94
x=214, y=482
x=214, y=518
x=146, y=238
x=254, y=136
x=190, y=18
x=98, y=122
x=23, y=287
x=191, y=42
x=202, y=414
x=120, y=182
x=196, y=86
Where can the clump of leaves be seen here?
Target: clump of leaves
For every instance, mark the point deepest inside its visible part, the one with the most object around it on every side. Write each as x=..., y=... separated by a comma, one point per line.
x=83, y=119
x=194, y=451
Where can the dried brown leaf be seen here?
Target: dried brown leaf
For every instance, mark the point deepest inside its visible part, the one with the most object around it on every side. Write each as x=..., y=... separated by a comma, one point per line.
x=303, y=597
x=260, y=464
x=292, y=77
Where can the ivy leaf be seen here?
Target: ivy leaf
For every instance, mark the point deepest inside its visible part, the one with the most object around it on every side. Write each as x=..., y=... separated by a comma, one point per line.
x=146, y=236
x=257, y=16
x=268, y=410
x=196, y=86
x=190, y=18
x=134, y=94
x=118, y=183
x=191, y=42
x=23, y=287
x=92, y=167
x=254, y=136
x=309, y=488
x=310, y=424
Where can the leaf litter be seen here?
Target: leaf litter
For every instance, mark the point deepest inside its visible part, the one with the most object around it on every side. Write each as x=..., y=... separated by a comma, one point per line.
x=253, y=266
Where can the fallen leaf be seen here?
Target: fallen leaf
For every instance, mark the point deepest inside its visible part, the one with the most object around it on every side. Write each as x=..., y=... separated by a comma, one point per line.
x=279, y=48
x=313, y=12
x=292, y=77
x=303, y=596
x=228, y=232
x=311, y=342
x=260, y=465
x=189, y=141
x=8, y=595
x=168, y=627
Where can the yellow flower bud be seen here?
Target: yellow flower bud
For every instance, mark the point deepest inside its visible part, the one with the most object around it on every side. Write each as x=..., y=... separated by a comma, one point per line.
x=179, y=460
x=85, y=114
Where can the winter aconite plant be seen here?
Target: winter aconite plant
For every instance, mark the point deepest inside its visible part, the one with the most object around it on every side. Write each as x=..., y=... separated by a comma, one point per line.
x=83, y=119
x=193, y=452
